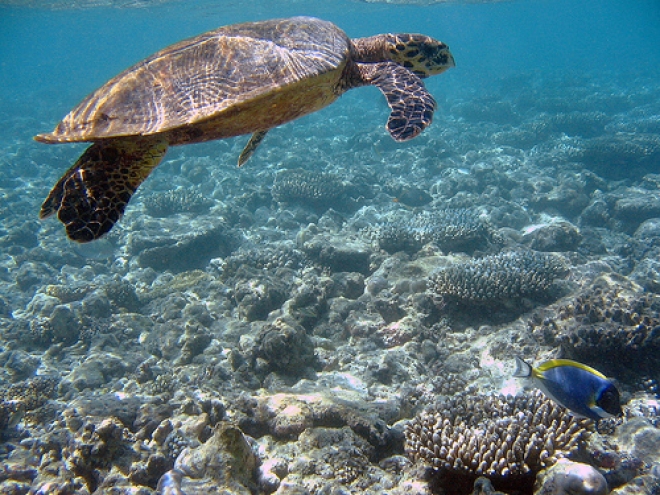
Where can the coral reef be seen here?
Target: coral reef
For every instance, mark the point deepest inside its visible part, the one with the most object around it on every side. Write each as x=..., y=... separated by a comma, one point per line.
x=507, y=439
x=613, y=324
x=277, y=339
x=309, y=187
x=450, y=229
x=264, y=259
x=167, y=203
x=496, y=278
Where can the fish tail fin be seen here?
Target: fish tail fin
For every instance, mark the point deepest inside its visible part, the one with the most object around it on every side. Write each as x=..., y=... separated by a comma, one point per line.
x=523, y=369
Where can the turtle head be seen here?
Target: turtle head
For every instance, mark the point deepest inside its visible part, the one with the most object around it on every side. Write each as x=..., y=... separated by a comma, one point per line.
x=423, y=55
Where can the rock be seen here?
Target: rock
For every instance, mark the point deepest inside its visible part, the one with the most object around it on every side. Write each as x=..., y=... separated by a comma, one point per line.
x=284, y=347
x=339, y=254
x=556, y=236
x=226, y=459
x=570, y=478
x=189, y=251
x=636, y=207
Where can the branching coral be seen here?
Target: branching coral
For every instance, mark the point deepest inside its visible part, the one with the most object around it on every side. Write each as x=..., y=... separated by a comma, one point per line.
x=451, y=229
x=167, y=203
x=317, y=188
x=499, y=277
x=507, y=439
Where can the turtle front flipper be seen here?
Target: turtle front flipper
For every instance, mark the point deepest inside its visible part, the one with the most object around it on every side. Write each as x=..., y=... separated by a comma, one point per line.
x=92, y=195
x=412, y=105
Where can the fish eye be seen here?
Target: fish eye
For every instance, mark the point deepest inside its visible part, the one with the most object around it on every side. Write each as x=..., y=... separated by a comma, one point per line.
x=610, y=401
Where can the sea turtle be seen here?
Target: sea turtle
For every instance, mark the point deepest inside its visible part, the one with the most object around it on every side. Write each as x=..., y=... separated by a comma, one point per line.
x=239, y=79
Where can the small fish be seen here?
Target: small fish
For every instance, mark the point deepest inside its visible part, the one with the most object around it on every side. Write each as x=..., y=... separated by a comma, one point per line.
x=413, y=196
x=170, y=483
x=581, y=389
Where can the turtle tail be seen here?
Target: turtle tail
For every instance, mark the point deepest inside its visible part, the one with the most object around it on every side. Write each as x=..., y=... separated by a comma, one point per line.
x=92, y=195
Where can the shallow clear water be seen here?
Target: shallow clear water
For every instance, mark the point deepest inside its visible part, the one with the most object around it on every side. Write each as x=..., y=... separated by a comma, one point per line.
x=550, y=120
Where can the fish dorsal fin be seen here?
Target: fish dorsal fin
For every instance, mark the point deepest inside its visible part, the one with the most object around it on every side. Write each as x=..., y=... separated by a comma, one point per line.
x=554, y=363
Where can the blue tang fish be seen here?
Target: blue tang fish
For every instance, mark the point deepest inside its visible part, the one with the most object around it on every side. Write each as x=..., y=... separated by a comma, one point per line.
x=583, y=390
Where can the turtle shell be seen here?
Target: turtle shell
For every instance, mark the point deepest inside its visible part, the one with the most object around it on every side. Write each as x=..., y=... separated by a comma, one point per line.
x=235, y=80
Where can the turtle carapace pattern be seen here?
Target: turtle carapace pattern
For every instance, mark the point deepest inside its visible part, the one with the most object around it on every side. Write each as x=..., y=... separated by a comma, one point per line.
x=239, y=79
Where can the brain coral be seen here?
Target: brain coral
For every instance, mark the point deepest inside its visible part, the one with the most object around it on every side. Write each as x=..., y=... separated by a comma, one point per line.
x=507, y=439
x=504, y=276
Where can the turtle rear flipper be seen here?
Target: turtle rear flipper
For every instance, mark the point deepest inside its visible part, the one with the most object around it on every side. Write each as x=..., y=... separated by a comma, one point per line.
x=412, y=105
x=92, y=195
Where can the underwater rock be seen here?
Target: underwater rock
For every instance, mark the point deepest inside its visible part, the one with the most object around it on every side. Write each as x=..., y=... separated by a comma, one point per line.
x=556, y=236
x=256, y=298
x=347, y=284
x=407, y=194
x=571, y=478
x=195, y=339
x=339, y=253
x=636, y=207
x=96, y=370
x=500, y=277
x=95, y=448
x=271, y=473
x=506, y=439
x=284, y=347
x=190, y=251
x=226, y=459
x=123, y=295
x=61, y=326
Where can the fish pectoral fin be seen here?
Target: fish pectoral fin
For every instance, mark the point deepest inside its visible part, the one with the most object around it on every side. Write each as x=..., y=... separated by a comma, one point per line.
x=523, y=369
x=251, y=146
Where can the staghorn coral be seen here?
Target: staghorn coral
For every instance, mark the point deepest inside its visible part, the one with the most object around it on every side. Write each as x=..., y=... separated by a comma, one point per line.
x=500, y=277
x=303, y=186
x=507, y=439
x=167, y=203
x=451, y=229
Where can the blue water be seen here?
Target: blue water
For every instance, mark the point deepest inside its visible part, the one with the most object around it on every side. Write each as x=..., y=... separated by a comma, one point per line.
x=57, y=57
